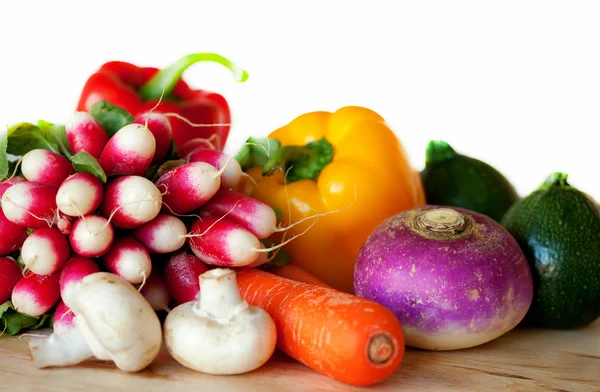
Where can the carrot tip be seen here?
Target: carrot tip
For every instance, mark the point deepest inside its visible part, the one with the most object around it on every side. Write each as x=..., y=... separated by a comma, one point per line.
x=380, y=349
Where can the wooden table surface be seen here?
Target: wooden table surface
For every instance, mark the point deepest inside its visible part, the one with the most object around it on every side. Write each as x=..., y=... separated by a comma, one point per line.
x=522, y=360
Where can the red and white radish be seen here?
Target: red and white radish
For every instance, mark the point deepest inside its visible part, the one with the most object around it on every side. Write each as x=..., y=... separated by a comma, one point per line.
x=10, y=273
x=12, y=236
x=34, y=295
x=155, y=291
x=79, y=195
x=195, y=143
x=163, y=234
x=129, y=259
x=131, y=201
x=129, y=151
x=64, y=318
x=453, y=277
x=222, y=242
x=232, y=170
x=45, y=251
x=71, y=274
x=160, y=127
x=4, y=185
x=85, y=134
x=254, y=215
x=46, y=167
x=29, y=204
x=91, y=236
x=186, y=188
x=181, y=277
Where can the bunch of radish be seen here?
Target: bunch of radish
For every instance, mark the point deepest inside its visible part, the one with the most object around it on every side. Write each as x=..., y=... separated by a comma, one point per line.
x=121, y=202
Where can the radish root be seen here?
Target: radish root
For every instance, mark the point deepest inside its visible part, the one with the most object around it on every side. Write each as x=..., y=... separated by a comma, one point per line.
x=5, y=326
x=212, y=138
x=222, y=170
x=285, y=228
x=192, y=235
x=13, y=174
x=170, y=209
x=112, y=214
x=35, y=335
x=144, y=277
x=267, y=250
x=250, y=178
x=27, y=268
x=266, y=149
x=26, y=271
x=65, y=314
x=74, y=205
x=49, y=223
x=154, y=108
x=289, y=210
x=188, y=122
x=181, y=215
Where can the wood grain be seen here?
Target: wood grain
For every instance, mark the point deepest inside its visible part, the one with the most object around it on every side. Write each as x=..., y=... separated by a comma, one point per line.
x=522, y=360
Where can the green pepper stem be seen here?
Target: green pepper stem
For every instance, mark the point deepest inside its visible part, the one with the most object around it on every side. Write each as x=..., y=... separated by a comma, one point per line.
x=164, y=81
x=438, y=150
x=555, y=180
x=300, y=162
x=285, y=157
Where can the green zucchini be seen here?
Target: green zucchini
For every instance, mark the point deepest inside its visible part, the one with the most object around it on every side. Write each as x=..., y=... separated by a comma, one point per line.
x=453, y=179
x=558, y=229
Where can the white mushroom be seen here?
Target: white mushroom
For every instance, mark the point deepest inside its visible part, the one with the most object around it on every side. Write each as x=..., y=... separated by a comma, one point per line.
x=220, y=334
x=113, y=321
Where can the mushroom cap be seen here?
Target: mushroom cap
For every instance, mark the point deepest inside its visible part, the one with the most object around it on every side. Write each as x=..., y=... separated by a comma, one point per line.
x=117, y=321
x=238, y=345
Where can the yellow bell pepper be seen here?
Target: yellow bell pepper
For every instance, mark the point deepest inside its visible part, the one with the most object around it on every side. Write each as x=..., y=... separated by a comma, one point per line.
x=348, y=164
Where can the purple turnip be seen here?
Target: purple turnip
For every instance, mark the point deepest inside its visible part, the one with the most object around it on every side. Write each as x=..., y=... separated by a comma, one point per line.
x=453, y=277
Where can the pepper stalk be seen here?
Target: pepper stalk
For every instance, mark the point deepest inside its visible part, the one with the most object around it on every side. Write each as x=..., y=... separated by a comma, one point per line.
x=164, y=81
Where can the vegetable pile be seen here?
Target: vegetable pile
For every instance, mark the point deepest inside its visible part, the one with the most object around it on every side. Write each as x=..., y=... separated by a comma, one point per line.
x=121, y=235
x=128, y=227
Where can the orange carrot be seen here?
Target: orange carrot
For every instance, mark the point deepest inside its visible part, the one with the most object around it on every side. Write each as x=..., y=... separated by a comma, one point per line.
x=293, y=272
x=350, y=339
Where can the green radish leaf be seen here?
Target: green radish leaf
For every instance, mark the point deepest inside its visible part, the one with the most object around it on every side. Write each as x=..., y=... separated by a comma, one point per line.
x=173, y=154
x=4, y=163
x=151, y=172
x=256, y=152
x=12, y=169
x=85, y=163
x=58, y=134
x=24, y=137
x=13, y=322
x=282, y=258
x=44, y=320
x=111, y=117
x=278, y=213
x=165, y=167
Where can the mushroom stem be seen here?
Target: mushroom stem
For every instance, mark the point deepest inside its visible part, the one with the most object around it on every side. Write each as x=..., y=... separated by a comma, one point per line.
x=65, y=349
x=220, y=296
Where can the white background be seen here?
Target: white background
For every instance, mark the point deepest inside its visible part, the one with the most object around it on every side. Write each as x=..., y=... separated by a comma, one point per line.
x=514, y=83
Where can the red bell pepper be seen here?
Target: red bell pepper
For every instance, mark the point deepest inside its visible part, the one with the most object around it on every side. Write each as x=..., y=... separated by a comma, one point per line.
x=138, y=89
